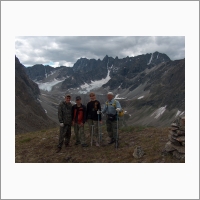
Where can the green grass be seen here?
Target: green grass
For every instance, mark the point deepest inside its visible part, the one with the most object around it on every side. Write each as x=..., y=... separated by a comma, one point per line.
x=25, y=140
x=40, y=147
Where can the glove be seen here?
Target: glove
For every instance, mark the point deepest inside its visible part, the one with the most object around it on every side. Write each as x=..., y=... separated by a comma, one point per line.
x=61, y=124
x=118, y=109
x=98, y=112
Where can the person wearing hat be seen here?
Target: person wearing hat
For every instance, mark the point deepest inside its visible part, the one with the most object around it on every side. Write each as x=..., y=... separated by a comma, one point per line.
x=65, y=119
x=78, y=121
x=92, y=116
x=111, y=108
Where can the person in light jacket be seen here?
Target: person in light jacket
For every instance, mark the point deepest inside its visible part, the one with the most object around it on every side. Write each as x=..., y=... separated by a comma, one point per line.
x=111, y=108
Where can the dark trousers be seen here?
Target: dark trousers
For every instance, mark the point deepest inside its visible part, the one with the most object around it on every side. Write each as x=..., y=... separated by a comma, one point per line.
x=112, y=129
x=65, y=134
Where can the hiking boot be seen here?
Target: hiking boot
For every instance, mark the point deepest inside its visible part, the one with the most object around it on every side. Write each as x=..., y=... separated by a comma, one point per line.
x=111, y=141
x=77, y=143
x=67, y=145
x=84, y=145
x=58, y=150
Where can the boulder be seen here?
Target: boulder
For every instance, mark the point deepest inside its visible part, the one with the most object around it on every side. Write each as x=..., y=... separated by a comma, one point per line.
x=178, y=155
x=169, y=146
x=179, y=132
x=173, y=140
x=173, y=133
x=173, y=128
x=175, y=125
x=181, y=138
x=138, y=152
x=180, y=149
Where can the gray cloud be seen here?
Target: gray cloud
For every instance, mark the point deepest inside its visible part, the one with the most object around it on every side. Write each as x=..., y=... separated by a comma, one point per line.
x=66, y=50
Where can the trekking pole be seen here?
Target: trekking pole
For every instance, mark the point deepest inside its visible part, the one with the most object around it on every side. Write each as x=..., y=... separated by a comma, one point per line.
x=98, y=127
x=116, y=143
x=100, y=132
x=92, y=134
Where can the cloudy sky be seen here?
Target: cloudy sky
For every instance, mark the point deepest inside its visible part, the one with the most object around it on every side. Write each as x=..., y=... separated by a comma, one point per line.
x=57, y=51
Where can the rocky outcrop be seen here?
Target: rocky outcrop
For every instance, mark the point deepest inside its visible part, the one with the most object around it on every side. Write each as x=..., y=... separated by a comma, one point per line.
x=39, y=72
x=176, y=143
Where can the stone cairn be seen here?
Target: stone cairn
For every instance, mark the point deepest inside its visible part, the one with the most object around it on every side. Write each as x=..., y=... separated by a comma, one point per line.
x=176, y=143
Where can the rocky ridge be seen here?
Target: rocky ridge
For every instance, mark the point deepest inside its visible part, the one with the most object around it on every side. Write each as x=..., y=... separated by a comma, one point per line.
x=29, y=114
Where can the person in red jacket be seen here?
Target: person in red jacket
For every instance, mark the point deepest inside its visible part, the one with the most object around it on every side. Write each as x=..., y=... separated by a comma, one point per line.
x=78, y=121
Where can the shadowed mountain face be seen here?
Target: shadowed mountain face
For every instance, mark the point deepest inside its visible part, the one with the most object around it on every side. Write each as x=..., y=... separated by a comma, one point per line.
x=29, y=114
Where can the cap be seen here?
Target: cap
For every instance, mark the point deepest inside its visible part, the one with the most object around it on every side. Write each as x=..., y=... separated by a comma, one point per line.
x=78, y=98
x=110, y=93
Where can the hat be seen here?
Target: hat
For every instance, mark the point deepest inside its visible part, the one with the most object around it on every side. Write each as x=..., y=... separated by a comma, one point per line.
x=111, y=93
x=78, y=98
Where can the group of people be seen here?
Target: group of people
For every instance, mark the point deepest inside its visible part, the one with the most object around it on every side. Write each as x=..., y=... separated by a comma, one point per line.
x=77, y=115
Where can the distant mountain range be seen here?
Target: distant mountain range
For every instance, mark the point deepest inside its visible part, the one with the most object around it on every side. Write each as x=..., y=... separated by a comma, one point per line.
x=150, y=87
x=86, y=70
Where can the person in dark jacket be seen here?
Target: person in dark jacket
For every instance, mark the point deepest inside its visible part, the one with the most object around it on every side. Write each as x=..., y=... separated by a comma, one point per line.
x=92, y=116
x=65, y=119
x=78, y=121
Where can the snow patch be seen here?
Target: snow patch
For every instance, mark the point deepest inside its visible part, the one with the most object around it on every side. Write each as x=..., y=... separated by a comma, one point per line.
x=178, y=113
x=157, y=56
x=95, y=84
x=159, y=112
x=45, y=72
x=140, y=97
x=150, y=59
x=48, y=85
x=39, y=100
x=45, y=111
x=120, y=86
x=116, y=97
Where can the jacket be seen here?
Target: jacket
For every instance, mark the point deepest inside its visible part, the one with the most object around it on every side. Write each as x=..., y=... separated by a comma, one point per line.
x=110, y=107
x=92, y=108
x=65, y=113
x=78, y=114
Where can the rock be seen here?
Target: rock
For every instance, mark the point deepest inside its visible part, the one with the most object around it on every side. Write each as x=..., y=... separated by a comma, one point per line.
x=169, y=146
x=182, y=121
x=173, y=140
x=176, y=143
x=173, y=128
x=178, y=155
x=180, y=149
x=138, y=152
x=181, y=138
x=182, y=128
x=173, y=133
x=175, y=125
x=179, y=132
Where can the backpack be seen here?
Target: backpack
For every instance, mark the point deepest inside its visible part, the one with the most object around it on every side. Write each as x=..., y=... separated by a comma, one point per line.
x=121, y=113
